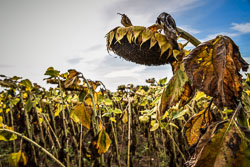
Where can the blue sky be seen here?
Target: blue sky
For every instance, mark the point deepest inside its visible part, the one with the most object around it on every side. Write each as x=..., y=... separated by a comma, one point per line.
x=220, y=17
x=70, y=34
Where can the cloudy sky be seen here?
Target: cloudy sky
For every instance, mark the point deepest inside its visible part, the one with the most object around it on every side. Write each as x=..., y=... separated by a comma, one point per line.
x=66, y=34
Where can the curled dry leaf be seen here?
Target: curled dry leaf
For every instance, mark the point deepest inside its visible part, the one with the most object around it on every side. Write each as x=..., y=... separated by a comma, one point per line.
x=213, y=67
x=223, y=144
x=72, y=79
x=197, y=125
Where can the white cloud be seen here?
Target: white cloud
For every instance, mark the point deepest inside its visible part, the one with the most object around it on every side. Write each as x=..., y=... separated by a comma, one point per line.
x=239, y=29
x=145, y=12
x=243, y=28
x=212, y=36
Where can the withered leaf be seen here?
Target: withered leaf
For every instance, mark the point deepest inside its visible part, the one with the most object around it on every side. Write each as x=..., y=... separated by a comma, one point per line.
x=153, y=41
x=129, y=35
x=137, y=30
x=101, y=142
x=223, y=144
x=111, y=37
x=166, y=47
x=120, y=33
x=125, y=116
x=83, y=114
x=72, y=79
x=196, y=125
x=18, y=158
x=161, y=39
x=178, y=90
x=146, y=35
x=213, y=67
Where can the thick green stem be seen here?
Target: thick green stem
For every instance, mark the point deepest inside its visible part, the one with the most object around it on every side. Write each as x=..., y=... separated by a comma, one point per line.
x=33, y=143
x=188, y=37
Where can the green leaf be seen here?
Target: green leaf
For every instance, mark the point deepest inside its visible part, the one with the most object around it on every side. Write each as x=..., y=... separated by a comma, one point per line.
x=27, y=84
x=28, y=106
x=83, y=114
x=15, y=101
x=15, y=78
x=199, y=95
x=162, y=81
x=108, y=102
x=179, y=114
x=112, y=119
x=116, y=111
x=52, y=72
